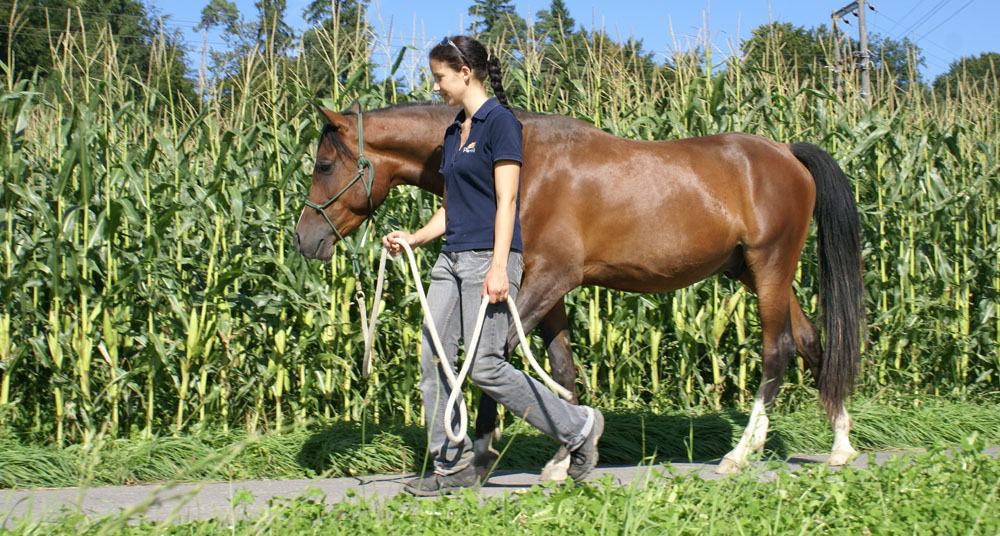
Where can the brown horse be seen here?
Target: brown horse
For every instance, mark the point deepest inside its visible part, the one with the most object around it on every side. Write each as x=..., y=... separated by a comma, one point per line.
x=639, y=216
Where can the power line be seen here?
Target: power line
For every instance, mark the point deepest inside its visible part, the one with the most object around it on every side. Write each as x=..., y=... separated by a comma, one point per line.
x=912, y=10
x=890, y=19
x=948, y=19
x=933, y=11
x=923, y=41
x=922, y=50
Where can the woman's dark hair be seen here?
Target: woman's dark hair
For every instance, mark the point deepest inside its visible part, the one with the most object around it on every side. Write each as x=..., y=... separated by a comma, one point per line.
x=461, y=50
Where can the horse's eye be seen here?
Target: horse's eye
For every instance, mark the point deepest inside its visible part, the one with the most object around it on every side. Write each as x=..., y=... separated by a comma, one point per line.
x=323, y=167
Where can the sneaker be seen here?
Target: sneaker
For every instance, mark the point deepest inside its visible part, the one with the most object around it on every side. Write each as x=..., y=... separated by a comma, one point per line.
x=584, y=458
x=434, y=484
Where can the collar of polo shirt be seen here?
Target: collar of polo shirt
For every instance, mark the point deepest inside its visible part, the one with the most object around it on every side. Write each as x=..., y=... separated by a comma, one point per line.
x=483, y=111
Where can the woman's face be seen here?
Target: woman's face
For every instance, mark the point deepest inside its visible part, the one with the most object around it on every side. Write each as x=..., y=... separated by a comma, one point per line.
x=449, y=83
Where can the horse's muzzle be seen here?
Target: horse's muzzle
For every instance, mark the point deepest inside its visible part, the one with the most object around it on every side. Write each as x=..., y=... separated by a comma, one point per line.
x=313, y=247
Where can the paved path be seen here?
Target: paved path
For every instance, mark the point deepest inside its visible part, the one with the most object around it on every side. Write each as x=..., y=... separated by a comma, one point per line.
x=185, y=502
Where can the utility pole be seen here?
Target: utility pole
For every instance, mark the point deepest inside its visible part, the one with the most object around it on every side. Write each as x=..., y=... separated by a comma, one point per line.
x=837, y=45
x=858, y=9
x=863, y=38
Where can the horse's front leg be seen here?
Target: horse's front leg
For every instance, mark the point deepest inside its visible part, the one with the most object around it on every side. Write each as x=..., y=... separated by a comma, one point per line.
x=485, y=456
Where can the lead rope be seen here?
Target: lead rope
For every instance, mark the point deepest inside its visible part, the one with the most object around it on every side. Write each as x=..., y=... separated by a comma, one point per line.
x=453, y=382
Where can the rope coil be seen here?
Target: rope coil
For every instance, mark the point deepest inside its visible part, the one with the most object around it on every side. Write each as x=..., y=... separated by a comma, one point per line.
x=368, y=331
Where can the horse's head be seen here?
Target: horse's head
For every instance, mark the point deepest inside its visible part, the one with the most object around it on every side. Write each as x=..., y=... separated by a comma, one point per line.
x=340, y=196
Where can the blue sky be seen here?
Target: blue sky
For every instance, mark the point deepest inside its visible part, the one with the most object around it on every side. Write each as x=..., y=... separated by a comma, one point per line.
x=944, y=29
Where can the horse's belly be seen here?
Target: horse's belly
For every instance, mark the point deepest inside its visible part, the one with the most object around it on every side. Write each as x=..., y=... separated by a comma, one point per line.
x=650, y=274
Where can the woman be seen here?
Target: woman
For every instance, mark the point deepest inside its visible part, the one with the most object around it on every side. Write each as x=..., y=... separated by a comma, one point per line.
x=481, y=258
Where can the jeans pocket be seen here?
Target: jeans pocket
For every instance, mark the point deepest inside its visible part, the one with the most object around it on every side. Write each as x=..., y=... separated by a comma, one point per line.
x=476, y=263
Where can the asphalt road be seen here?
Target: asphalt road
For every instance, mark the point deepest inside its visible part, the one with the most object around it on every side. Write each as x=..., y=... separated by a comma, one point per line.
x=240, y=499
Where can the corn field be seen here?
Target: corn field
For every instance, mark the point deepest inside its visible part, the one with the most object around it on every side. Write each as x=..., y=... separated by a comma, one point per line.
x=150, y=286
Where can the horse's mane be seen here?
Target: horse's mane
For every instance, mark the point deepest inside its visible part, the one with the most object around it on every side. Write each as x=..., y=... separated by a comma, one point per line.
x=413, y=104
x=329, y=131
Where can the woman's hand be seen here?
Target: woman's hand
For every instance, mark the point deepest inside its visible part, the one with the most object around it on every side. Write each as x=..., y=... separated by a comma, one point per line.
x=389, y=241
x=496, y=285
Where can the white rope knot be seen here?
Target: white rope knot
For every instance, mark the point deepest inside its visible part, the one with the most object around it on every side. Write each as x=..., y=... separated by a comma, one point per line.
x=368, y=331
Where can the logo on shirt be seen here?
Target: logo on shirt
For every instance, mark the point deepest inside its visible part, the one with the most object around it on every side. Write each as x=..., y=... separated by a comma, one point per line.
x=470, y=148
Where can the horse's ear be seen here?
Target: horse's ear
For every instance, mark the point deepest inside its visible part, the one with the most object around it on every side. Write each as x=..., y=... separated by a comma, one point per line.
x=355, y=107
x=338, y=121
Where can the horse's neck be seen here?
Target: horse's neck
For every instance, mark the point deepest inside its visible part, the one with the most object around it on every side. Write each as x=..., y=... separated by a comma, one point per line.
x=415, y=141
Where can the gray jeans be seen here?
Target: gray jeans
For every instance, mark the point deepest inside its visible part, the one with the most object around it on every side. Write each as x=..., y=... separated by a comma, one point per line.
x=454, y=297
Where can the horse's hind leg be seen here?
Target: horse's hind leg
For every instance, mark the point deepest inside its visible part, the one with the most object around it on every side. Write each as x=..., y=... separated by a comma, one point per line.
x=774, y=291
x=555, y=333
x=807, y=343
x=554, y=327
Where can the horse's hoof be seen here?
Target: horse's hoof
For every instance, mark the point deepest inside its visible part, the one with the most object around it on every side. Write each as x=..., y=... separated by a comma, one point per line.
x=557, y=469
x=842, y=456
x=485, y=463
x=728, y=466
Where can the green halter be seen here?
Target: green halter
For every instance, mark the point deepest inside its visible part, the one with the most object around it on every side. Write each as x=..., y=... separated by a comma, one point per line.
x=363, y=164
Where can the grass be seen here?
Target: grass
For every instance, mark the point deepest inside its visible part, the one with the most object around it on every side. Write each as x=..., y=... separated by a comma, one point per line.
x=940, y=492
x=347, y=449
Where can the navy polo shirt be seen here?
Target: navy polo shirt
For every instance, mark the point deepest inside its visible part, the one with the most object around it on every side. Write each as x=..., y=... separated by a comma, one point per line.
x=469, y=187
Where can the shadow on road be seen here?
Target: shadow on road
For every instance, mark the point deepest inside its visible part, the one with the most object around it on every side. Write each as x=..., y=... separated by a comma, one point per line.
x=630, y=437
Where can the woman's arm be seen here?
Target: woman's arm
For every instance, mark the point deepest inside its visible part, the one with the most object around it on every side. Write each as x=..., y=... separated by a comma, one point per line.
x=506, y=176
x=432, y=230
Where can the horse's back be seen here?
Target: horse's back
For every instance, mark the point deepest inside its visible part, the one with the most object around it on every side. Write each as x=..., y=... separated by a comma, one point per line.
x=656, y=215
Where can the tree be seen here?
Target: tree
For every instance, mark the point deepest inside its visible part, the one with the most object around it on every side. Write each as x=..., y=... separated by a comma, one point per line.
x=973, y=71
x=268, y=34
x=554, y=21
x=902, y=59
x=495, y=21
x=563, y=50
x=340, y=26
x=349, y=13
x=559, y=43
x=781, y=44
x=25, y=35
x=237, y=33
x=629, y=54
x=272, y=31
x=221, y=14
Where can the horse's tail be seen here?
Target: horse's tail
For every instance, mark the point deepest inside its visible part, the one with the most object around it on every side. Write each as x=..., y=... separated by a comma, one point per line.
x=841, y=294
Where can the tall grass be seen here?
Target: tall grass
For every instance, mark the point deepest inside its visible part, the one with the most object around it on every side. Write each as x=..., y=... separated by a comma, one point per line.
x=150, y=287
